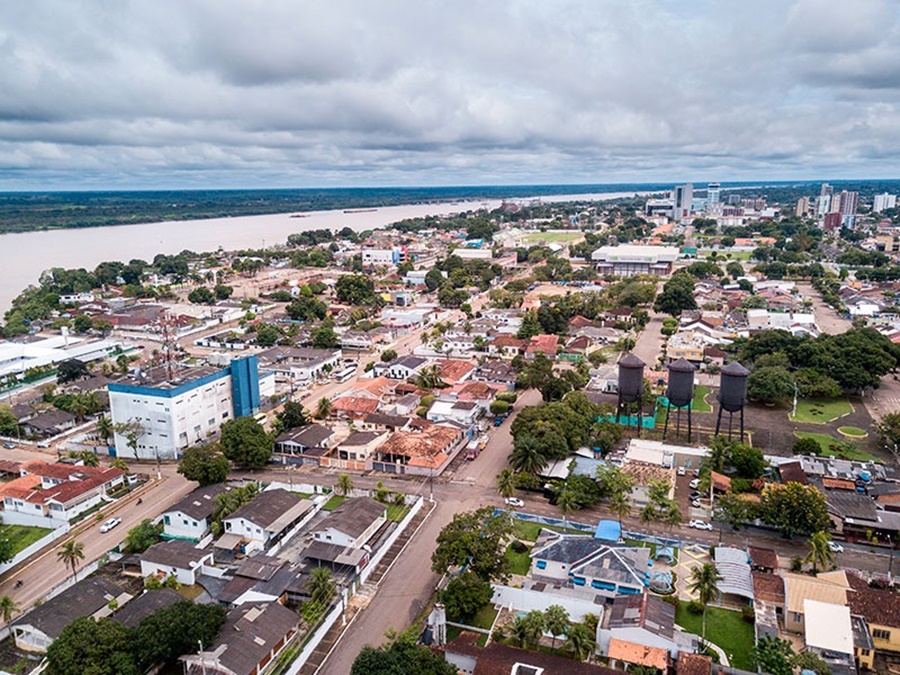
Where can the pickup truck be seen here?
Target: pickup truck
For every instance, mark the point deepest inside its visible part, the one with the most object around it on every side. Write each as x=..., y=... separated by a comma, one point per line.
x=498, y=420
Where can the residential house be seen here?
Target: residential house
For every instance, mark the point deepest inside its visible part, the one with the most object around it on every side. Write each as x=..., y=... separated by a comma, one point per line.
x=693, y=664
x=178, y=558
x=253, y=635
x=383, y=422
x=403, y=368
x=454, y=371
x=829, y=633
x=300, y=364
x=304, y=445
x=191, y=517
x=145, y=604
x=360, y=445
x=881, y=611
x=506, y=346
x=851, y=513
x=406, y=405
x=496, y=372
x=830, y=587
x=260, y=578
x=49, y=423
x=352, y=523
x=266, y=520
x=500, y=659
x=36, y=630
x=423, y=452
x=640, y=626
x=464, y=413
x=355, y=406
x=542, y=344
x=341, y=560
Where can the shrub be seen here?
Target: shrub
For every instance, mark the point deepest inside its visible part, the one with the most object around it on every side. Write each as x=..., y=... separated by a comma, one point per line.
x=796, y=564
x=518, y=547
x=807, y=446
x=672, y=600
x=739, y=485
x=748, y=614
x=695, y=607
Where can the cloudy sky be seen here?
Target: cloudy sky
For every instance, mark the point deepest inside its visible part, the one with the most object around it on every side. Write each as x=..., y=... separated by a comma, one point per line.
x=289, y=93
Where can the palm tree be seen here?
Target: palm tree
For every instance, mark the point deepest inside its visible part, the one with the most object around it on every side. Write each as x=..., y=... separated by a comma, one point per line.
x=71, y=553
x=719, y=451
x=430, y=378
x=649, y=514
x=672, y=515
x=820, y=553
x=506, y=483
x=518, y=631
x=580, y=640
x=89, y=458
x=704, y=583
x=527, y=456
x=8, y=607
x=566, y=501
x=323, y=408
x=119, y=463
x=320, y=586
x=534, y=626
x=620, y=505
x=556, y=620
x=344, y=485
x=105, y=429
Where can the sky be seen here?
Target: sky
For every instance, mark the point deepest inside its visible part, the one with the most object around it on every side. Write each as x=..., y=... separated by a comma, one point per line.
x=329, y=93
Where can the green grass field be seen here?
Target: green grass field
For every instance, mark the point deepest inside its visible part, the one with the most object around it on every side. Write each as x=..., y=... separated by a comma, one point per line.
x=821, y=410
x=334, y=502
x=519, y=563
x=724, y=628
x=846, y=451
x=700, y=404
x=397, y=513
x=853, y=432
x=551, y=237
x=529, y=531
x=21, y=536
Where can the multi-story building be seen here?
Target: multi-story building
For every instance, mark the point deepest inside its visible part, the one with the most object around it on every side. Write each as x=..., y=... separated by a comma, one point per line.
x=713, y=193
x=157, y=418
x=383, y=256
x=630, y=260
x=802, y=208
x=683, y=196
x=883, y=202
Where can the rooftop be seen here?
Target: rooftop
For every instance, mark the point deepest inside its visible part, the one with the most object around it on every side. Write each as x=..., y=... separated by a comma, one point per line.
x=353, y=516
x=273, y=510
x=200, y=503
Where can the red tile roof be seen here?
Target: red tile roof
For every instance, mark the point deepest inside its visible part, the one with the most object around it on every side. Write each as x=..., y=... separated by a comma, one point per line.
x=454, y=370
x=543, y=343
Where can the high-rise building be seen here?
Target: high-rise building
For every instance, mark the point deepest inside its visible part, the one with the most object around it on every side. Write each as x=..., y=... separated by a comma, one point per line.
x=683, y=197
x=848, y=203
x=713, y=192
x=883, y=202
x=802, y=209
x=824, y=200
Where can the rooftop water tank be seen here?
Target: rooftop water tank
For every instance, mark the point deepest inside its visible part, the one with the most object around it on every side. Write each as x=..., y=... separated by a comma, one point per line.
x=631, y=378
x=680, y=390
x=733, y=387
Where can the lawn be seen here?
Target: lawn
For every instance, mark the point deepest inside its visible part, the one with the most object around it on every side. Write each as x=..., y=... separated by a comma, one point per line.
x=821, y=410
x=485, y=617
x=519, y=563
x=551, y=237
x=397, y=513
x=724, y=628
x=700, y=404
x=334, y=502
x=21, y=536
x=853, y=432
x=847, y=451
x=528, y=531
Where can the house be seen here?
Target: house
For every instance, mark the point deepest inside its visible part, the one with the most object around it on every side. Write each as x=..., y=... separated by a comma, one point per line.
x=403, y=368
x=253, y=635
x=641, y=626
x=355, y=406
x=633, y=653
x=300, y=364
x=260, y=578
x=828, y=587
x=496, y=372
x=65, y=490
x=763, y=559
x=383, y=422
x=423, y=451
x=178, y=558
x=360, y=445
x=733, y=565
x=144, y=605
x=464, y=413
x=542, y=344
x=191, y=517
x=693, y=664
x=341, y=560
x=583, y=561
x=406, y=404
x=49, y=423
x=499, y=659
x=352, y=523
x=881, y=611
x=829, y=633
x=454, y=371
x=507, y=346
x=267, y=519
x=36, y=630
x=304, y=445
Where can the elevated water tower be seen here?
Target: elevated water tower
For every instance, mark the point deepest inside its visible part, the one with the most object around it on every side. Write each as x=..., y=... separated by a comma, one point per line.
x=680, y=393
x=732, y=395
x=631, y=387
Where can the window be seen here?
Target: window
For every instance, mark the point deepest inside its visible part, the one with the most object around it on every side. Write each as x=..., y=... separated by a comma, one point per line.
x=166, y=520
x=578, y=581
x=541, y=564
x=881, y=634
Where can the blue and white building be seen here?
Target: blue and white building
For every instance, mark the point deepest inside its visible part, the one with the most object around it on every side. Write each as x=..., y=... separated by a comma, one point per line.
x=171, y=415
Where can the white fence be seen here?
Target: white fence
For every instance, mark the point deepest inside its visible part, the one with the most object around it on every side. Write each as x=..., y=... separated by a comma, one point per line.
x=315, y=639
x=379, y=555
x=28, y=551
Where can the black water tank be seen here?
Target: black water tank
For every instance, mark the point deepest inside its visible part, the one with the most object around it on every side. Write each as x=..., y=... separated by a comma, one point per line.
x=733, y=387
x=631, y=378
x=680, y=391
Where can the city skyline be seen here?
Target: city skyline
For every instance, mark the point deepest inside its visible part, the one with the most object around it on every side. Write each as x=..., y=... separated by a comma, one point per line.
x=162, y=96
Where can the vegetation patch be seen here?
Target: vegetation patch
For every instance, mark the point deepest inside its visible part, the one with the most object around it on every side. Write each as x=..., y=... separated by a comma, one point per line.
x=528, y=531
x=551, y=237
x=334, y=502
x=396, y=513
x=821, y=410
x=853, y=432
x=724, y=628
x=700, y=404
x=519, y=563
x=840, y=449
x=21, y=537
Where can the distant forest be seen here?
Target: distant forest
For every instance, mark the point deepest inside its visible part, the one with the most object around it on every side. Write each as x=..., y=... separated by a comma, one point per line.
x=27, y=211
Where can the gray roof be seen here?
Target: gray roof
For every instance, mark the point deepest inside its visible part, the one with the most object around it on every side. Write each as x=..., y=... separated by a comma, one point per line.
x=175, y=553
x=358, y=438
x=734, y=566
x=309, y=436
x=567, y=549
x=146, y=604
x=353, y=517
x=83, y=599
x=260, y=567
x=851, y=505
x=383, y=420
x=333, y=553
x=409, y=361
x=647, y=611
x=250, y=633
x=617, y=564
x=200, y=503
x=268, y=507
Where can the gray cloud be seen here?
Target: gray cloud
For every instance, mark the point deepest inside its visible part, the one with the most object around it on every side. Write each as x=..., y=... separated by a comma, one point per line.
x=349, y=92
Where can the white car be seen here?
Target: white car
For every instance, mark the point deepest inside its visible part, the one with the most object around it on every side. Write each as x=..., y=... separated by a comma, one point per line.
x=514, y=501
x=694, y=483
x=834, y=546
x=681, y=471
x=696, y=504
x=110, y=524
x=700, y=525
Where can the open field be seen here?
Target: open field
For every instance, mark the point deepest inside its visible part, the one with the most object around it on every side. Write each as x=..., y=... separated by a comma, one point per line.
x=552, y=237
x=724, y=628
x=847, y=450
x=821, y=410
x=22, y=537
x=519, y=563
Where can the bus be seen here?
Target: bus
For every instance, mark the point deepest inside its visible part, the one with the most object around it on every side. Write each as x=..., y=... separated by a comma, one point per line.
x=345, y=374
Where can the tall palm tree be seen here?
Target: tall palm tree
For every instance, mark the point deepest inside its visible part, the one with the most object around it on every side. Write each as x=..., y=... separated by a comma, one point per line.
x=119, y=463
x=672, y=515
x=649, y=514
x=89, y=457
x=506, y=483
x=105, y=429
x=430, y=378
x=323, y=408
x=566, y=501
x=704, y=583
x=820, y=553
x=620, y=505
x=580, y=640
x=518, y=631
x=535, y=625
x=8, y=607
x=556, y=620
x=71, y=554
x=320, y=586
x=344, y=485
x=527, y=456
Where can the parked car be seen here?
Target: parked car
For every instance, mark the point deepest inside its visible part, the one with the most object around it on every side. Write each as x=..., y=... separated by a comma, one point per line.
x=681, y=471
x=700, y=525
x=9, y=445
x=514, y=501
x=696, y=504
x=834, y=546
x=694, y=483
x=110, y=524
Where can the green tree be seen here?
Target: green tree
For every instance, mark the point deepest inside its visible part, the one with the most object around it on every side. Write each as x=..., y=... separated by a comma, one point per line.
x=677, y=295
x=430, y=378
x=204, y=464
x=770, y=384
x=774, y=655
x=176, y=630
x=889, y=430
x=267, y=335
x=321, y=587
x=810, y=661
x=9, y=425
x=142, y=536
x=580, y=640
x=747, y=461
x=402, y=656
x=506, y=482
x=820, y=553
x=344, y=485
x=355, y=289
x=499, y=407
x=527, y=455
x=99, y=647
x=434, y=279
x=794, y=508
x=806, y=446
x=71, y=370
x=704, y=584
x=465, y=595
x=201, y=296
x=324, y=337
x=566, y=501
x=71, y=554
x=323, y=408
x=245, y=442
x=8, y=608
x=477, y=538
x=557, y=622
x=222, y=292
x=388, y=355
x=82, y=323
x=292, y=416
x=105, y=429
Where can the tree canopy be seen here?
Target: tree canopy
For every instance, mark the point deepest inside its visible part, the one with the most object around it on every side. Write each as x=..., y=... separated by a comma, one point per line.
x=476, y=539
x=677, y=295
x=794, y=508
x=245, y=442
x=204, y=464
x=403, y=656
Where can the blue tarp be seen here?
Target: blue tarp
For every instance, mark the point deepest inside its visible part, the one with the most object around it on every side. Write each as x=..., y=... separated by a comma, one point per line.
x=608, y=530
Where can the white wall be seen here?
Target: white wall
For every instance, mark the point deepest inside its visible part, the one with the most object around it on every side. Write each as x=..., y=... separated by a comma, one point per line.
x=525, y=600
x=182, y=526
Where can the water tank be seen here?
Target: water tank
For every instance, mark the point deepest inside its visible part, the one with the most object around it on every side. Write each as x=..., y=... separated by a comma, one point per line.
x=631, y=378
x=680, y=391
x=733, y=387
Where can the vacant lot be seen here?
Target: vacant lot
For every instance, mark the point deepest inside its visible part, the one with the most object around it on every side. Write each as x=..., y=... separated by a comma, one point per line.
x=22, y=537
x=551, y=237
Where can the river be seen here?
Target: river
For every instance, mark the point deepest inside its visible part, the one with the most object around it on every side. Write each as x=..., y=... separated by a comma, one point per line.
x=25, y=255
